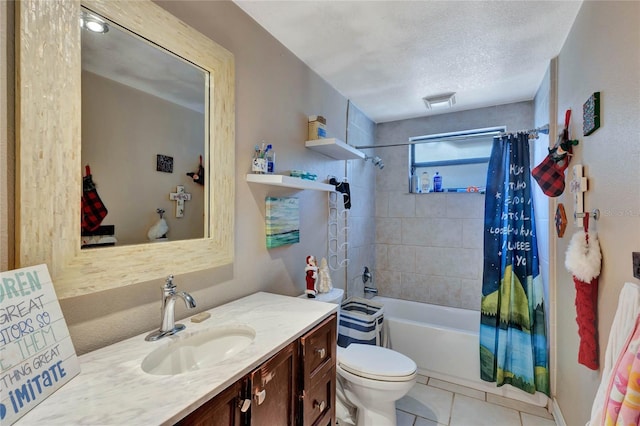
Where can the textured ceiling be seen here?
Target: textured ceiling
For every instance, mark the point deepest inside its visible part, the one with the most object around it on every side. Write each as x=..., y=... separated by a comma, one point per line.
x=385, y=56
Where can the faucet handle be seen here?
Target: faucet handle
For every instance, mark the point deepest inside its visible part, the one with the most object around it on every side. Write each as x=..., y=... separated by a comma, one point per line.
x=169, y=285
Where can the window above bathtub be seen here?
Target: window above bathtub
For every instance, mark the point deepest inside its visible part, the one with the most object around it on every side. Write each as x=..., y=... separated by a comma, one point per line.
x=460, y=158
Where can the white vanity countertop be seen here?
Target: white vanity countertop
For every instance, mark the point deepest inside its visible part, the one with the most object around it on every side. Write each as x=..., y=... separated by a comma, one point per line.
x=112, y=389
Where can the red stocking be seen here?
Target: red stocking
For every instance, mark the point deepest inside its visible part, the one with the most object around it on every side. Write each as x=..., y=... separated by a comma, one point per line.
x=586, y=308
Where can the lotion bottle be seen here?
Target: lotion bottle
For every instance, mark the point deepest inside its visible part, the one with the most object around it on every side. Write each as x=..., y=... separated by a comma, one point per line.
x=437, y=183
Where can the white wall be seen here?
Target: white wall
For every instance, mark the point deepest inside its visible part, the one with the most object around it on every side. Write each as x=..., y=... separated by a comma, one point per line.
x=602, y=54
x=545, y=228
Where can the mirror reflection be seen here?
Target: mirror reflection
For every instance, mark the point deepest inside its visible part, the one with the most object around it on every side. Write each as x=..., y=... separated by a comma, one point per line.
x=143, y=125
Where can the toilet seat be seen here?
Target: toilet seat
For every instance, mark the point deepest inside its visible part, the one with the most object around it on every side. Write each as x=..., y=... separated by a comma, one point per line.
x=376, y=363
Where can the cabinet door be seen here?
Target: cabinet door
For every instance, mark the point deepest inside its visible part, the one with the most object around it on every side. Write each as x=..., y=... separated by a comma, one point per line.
x=273, y=389
x=221, y=410
x=318, y=355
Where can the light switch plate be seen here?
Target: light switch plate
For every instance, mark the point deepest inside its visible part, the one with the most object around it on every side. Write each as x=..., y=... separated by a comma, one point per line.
x=636, y=264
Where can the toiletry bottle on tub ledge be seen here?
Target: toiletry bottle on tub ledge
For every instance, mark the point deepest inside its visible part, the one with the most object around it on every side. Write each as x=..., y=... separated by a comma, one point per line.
x=437, y=183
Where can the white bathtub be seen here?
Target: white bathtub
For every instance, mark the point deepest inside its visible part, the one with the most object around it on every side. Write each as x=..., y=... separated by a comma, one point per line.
x=444, y=343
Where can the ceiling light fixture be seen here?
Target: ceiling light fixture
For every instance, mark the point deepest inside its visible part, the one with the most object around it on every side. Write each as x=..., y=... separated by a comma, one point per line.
x=444, y=100
x=93, y=24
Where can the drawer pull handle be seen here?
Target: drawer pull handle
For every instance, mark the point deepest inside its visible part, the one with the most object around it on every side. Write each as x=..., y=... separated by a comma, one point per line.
x=260, y=396
x=244, y=405
x=322, y=352
x=319, y=405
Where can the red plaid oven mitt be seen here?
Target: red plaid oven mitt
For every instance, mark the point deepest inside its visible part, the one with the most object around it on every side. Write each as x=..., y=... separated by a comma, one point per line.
x=550, y=172
x=93, y=210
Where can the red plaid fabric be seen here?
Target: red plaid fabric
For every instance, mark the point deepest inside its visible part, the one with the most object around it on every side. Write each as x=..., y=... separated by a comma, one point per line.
x=550, y=175
x=93, y=210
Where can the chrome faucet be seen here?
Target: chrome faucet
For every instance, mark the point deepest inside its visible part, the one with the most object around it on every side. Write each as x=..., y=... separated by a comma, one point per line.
x=167, y=310
x=370, y=290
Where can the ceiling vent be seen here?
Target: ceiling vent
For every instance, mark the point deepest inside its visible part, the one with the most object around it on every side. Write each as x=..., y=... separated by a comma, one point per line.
x=444, y=100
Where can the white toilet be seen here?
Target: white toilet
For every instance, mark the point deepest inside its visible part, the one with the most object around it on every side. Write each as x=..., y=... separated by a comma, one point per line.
x=373, y=378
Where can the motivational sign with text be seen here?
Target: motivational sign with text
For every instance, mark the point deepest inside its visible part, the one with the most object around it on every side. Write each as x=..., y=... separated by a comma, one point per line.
x=37, y=356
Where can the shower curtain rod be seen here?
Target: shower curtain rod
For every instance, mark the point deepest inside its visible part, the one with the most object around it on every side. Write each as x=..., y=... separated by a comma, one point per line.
x=533, y=133
x=416, y=142
x=542, y=129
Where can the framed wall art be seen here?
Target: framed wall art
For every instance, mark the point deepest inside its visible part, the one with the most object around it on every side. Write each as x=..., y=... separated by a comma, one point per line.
x=282, y=221
x=591, y=114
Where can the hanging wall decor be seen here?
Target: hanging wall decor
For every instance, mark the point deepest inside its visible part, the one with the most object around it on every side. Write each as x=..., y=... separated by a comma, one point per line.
x=38, y=356
x=561, y=220
x=164, y=163
x=591, y=114
x=282, y=221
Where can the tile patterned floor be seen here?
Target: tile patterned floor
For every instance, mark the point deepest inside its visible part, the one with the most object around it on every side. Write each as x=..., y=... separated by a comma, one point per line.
x=433, y=402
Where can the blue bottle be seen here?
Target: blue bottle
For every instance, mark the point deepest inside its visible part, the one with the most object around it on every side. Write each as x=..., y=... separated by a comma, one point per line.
x=437, y=183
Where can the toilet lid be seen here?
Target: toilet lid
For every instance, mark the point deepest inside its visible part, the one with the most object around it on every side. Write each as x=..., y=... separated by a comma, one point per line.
x=375, y=362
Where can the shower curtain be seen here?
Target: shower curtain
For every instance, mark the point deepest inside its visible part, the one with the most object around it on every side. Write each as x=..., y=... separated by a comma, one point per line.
x=513, y=343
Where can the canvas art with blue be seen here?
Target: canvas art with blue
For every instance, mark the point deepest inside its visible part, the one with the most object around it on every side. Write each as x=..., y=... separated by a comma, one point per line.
x=282, y=221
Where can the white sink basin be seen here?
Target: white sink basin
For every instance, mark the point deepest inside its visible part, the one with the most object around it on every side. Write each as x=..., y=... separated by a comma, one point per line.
x=198, y=350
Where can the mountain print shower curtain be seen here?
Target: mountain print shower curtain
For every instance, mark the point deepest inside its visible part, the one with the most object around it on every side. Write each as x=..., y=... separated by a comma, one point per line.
x=513, y=343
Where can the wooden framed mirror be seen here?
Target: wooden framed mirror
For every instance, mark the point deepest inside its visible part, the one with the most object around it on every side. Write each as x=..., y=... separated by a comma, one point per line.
x=49, y=170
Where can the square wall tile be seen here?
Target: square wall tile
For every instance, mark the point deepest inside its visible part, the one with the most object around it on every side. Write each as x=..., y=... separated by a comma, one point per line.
x=463, y=263
x=415, y=288
x=382, y=204
x=432, y=232
x=444, y=291
x=382, y=259
x=431, y=205
x=427, y=261
x=388, y=231
x=465, y=205
x=402, y=205
x=452, y=262
x=473, y=233
x=470, y=293
x=401, y=258
x=389, y=283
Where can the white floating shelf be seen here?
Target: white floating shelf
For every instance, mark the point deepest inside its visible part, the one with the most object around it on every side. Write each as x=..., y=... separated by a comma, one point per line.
x=335, y=148
x=289, y=182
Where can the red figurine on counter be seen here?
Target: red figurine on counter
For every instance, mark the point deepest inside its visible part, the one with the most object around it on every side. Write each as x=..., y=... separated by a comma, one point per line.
x=311, y=271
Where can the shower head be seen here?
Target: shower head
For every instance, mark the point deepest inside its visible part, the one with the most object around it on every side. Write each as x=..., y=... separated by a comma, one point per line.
x=377, y=161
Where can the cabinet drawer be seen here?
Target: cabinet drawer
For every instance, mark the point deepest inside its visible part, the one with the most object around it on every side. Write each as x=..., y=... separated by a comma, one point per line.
x=318, y=348
x=318, y=401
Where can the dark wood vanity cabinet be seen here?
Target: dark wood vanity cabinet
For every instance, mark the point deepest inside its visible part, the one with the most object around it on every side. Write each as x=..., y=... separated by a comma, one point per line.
x=222, y=410
x=317, y=394
x=273, y=389
x=294, y=387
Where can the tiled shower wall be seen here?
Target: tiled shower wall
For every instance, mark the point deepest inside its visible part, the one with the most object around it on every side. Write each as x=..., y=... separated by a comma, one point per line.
x=429, y=246
x=361, y=218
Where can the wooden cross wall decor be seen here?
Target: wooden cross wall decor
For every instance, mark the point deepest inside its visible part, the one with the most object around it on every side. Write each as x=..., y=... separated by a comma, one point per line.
x=578, y=186
x=180, y=197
